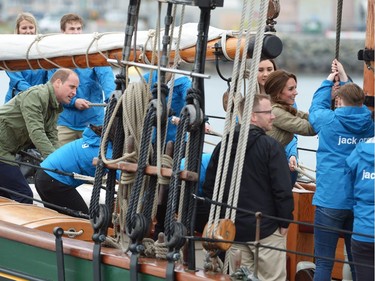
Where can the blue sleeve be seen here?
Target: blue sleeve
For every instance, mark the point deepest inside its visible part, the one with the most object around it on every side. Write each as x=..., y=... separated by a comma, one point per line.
x=106, y=80
x=291, y=148
x=320, y=105
x=18, y=81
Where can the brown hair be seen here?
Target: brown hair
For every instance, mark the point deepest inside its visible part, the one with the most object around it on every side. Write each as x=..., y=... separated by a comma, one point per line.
x=351, y=94
x=25, y=16
x=62, y=74
x=271, y=60
x=69, y=18
x=275, y=84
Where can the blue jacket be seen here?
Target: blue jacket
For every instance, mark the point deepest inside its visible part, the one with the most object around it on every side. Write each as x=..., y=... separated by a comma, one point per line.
x=181, y=85
x=75, y=157
x=339, y=131
x=360, y=176
x=202, y=175
x=22, y=80
x=291, y=148
x=93, y=82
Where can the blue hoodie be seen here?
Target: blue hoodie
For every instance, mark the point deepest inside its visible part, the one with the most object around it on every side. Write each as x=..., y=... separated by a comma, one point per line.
x=360, y=176
x=95, y=85
x=339, y=131
x=181, y=85
x=75, y=157
x=22, y=80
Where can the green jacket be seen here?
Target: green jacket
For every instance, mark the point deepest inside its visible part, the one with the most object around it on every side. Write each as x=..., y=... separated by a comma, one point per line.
x=285, y=125
x=30, y=118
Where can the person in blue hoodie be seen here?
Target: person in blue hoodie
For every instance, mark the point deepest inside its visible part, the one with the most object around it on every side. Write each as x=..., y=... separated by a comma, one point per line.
x=360, y=177
x=95, y=83
x=74, y=157
x=181, y=86
x=22, y=80
x=339, y=131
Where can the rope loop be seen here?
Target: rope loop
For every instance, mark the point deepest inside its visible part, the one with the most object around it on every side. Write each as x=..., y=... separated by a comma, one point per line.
x=167, y=163
x=163, y=90
x=193, y=94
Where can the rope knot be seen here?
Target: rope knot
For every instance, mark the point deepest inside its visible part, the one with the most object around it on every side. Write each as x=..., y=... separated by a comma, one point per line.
x=96, y=35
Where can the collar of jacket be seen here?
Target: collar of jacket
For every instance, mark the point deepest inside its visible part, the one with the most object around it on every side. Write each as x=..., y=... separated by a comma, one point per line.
x=52, y=98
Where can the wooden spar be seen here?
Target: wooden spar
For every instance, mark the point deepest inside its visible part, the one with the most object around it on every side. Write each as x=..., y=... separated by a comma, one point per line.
x=100, y=59
x=368, y=74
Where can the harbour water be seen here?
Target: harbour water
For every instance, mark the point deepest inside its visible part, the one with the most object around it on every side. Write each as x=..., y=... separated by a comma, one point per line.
x=215, y=87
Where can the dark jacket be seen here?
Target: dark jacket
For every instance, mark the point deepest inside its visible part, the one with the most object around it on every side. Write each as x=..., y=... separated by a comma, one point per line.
x=265, y=185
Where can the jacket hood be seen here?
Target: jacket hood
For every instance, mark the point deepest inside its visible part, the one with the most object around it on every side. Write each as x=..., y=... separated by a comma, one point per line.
x=90, y=137
x=366, y=150
x=355, y=119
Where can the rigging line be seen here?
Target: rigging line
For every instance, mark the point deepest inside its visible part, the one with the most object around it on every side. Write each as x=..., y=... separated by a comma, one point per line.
x=56, y=171
x=333, y=229
x=301, y=171
x=38, y=167
x=338, y=27
x=65, y=210
x=215, y=117
x=306, y=149
x=223, y=162
x=212, y=240
x=244, y=131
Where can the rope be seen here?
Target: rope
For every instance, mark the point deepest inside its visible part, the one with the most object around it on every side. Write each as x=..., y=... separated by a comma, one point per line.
x=301, y=171
x=244, y=133
x=148, y=243
x=230, y=122
x=338, y=27
x=161, y=249
x=233, y=102
x=166, y=163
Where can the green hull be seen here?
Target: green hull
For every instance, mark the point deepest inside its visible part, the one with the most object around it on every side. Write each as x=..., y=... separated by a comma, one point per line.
x=35, y=263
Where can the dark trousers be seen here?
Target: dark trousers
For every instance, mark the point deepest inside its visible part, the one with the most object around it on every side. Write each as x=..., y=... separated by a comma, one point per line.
x=57, y=193
x=11, y=178
x=363, y=253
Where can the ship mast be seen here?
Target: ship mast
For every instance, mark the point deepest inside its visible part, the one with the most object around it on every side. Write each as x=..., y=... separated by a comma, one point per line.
x=367, y=55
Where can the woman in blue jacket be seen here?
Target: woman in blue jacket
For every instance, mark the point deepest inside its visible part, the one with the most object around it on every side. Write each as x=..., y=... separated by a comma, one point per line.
x=360, y=176
x=22, y=80
x=339, y=131
x=74, y=157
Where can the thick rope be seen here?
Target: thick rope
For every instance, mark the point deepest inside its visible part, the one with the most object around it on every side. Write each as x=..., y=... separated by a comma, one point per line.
x=338, y=27
x=230, y=122
x=249, y=98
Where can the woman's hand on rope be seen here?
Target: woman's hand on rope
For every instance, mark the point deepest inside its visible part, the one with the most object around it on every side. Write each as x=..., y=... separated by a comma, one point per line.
x=292, y=163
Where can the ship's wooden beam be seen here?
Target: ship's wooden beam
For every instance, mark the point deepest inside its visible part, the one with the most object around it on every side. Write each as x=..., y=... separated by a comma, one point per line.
x=272, y=48
x=150, y=170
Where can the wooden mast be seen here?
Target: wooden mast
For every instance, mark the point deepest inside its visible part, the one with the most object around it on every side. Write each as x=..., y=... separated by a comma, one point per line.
x=368, y=72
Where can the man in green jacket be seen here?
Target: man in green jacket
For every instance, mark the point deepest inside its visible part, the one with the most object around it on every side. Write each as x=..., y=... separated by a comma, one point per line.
x=31, y=118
